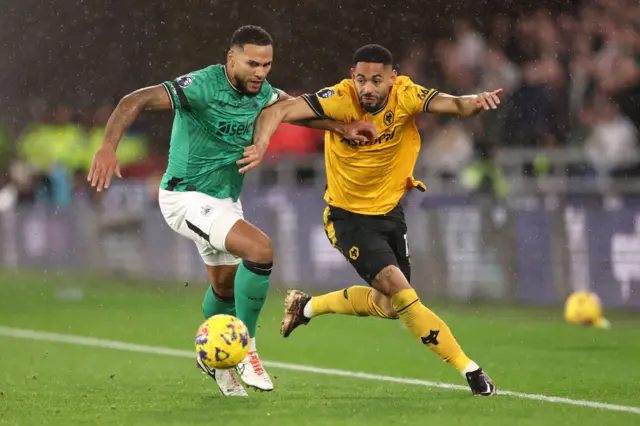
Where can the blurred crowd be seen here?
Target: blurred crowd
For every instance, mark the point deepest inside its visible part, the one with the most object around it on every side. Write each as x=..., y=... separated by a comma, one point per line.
x=48, y=161
x=569, y=80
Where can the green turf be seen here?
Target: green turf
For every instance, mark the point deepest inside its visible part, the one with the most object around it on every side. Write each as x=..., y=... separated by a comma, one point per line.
x=524, y=349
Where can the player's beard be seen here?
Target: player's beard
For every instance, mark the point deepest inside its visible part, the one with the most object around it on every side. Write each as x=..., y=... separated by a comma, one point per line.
x=371, y=107
x=241, y=85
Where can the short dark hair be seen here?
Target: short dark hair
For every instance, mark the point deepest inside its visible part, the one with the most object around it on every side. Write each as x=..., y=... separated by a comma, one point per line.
x=373, y=53
x=251, y=34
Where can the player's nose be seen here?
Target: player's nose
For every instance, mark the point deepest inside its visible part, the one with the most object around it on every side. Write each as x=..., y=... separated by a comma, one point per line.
x=368, y=89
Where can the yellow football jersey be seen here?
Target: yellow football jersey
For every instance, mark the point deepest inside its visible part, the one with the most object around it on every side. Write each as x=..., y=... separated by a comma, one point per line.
x=371, y=177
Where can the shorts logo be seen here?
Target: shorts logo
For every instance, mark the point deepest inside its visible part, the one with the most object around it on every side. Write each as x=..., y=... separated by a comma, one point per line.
x=354, y=253
x=388, y=118
x=185, y=81
x=205, y=210
x=325, y=93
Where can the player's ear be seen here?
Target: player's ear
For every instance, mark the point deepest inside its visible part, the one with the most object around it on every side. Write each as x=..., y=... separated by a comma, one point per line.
x=353, y=73
x=394, y=75
x=230, y=56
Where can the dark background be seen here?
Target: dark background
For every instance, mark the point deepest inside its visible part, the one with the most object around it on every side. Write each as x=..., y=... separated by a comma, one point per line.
x=86, y=53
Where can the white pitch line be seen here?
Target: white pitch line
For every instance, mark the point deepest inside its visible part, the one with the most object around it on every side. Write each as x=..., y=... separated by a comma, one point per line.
x=123, y=346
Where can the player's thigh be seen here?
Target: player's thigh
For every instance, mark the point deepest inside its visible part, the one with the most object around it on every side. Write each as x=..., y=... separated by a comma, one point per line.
x=199, y=217
x=234, y=238
x=393, y=277
x=213, y=219
x=398, y=240
x=360, y=242
x=173, y=206
x=249, y=242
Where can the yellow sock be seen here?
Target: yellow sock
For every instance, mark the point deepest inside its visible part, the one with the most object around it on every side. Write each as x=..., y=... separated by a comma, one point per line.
x=429, y=328
x=356, y=301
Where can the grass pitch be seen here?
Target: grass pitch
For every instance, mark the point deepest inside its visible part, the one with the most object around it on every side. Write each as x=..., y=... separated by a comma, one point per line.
x=523, y=349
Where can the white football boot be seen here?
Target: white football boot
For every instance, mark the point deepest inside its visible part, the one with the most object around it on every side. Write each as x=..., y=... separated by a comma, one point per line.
x=253, y=374
x=225, y=379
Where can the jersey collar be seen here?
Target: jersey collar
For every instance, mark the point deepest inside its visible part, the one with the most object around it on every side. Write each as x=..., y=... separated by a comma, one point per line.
x=224, y=68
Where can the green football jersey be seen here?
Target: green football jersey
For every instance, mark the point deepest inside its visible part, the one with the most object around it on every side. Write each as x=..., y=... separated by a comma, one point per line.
x=213, y=124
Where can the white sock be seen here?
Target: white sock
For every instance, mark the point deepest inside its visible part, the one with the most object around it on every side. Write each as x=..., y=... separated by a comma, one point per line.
x=469, y=368
x=252, y=345
x=308, y=310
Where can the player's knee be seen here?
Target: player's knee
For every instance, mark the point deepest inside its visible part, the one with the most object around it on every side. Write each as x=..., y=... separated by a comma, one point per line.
x=388, y=310
x=390, y=280
x=222, y=291
x=261, y=251
x=222, y=280
x=224, y=287
x=384, y=303
x=390, y=313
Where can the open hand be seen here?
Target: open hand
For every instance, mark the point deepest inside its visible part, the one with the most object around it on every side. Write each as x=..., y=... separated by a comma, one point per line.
x=252, y=157
x=104, y=164
x=488, y=100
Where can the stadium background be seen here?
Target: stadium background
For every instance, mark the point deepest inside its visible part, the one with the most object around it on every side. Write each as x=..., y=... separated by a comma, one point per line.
x=524, y=206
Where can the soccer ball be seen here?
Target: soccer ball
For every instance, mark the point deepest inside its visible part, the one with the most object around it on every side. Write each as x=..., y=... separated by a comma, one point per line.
x=584, y=308
x=222, y=341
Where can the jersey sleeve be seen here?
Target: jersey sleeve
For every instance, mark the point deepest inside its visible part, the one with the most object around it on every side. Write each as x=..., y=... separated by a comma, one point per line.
x=331, y=102
x=415, y=98
x=273, y=98
x=188, y=91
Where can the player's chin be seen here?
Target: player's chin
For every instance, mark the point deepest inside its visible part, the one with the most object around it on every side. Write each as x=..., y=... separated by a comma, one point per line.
x=254, y=86
x=370, y=106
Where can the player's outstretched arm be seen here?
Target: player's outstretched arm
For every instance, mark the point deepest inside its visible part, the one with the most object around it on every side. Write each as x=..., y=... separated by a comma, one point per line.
x=267, y=123
x=465, y=106
x=105, y=162
x=297, y=111
x=354, y=130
